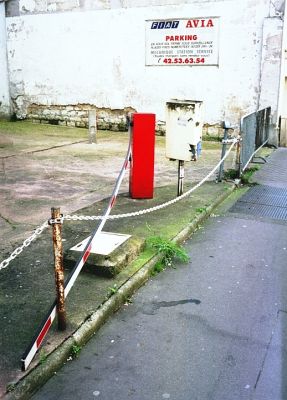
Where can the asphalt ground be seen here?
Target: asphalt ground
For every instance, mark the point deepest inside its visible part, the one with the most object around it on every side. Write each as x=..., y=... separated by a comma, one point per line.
x=45, y=166
x=214, y=328
x=207, y=330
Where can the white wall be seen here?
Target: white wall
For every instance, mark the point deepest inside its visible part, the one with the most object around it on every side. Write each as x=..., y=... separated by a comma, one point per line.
x=98, y=57
x=271, y=61
x=4, y=81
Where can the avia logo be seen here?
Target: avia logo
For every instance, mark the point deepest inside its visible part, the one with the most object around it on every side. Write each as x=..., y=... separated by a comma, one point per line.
x=164, y=24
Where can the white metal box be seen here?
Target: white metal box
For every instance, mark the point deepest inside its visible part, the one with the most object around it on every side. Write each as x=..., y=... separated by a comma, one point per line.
x=183, y=129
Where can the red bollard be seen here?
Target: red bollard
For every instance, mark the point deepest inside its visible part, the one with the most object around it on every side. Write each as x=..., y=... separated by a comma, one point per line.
x=142, y=162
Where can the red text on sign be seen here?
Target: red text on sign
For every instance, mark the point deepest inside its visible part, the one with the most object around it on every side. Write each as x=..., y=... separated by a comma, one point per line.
x=191, y=60
x=199, y=23
x=178, y=38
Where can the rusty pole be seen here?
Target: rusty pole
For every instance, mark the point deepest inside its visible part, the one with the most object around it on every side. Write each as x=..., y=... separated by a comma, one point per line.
x=238, y=158
x=59, y=268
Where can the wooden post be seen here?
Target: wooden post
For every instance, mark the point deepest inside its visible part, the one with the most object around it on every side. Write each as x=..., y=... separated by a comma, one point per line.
x=59, y=268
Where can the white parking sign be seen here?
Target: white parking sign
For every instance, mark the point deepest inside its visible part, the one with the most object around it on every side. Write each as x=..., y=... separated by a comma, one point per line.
x=184, y=42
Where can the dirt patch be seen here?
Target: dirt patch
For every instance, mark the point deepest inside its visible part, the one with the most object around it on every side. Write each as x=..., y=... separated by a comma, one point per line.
x=73, y=176
x=5, y=141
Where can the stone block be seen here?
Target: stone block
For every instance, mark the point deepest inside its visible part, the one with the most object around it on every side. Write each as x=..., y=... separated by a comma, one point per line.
x=80, y=124
x=69, y=108
x=110, y=265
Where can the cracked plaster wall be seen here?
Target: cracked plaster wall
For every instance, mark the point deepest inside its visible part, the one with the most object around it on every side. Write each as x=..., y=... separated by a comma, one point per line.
x=271, y=60
x=27, y=7
x=4, y=78
x=96, y=59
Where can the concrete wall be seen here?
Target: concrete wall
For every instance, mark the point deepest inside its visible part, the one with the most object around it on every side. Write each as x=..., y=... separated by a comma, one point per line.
x=4, y=80
x=271, y=61
x=28, y=7
x=96, y=57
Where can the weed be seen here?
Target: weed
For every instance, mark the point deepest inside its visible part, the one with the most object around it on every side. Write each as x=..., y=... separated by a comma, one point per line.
x=148, y=227
x=230, y=174
x=43, y=356
x=10, y=387
x=247, y=174
x=168, y=249
x=75, y=351
x=159, y=267
x=200, y=209
x=129, y=300
x=112, y=290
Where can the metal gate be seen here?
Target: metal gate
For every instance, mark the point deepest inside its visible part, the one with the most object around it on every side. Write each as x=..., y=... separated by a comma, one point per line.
x=254, y=129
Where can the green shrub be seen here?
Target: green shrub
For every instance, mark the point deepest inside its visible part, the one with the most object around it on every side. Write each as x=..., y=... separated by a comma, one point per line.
x=169, y=251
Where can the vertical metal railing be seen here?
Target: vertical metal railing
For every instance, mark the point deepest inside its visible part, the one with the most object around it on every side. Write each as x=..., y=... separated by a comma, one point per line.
x=254, y=131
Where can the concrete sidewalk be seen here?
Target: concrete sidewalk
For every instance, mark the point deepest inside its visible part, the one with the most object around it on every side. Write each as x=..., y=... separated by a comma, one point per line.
x=212, y=329
x=44, y=167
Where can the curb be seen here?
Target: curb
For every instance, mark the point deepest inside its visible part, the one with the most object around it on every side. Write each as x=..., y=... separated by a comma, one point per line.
x=38, y=376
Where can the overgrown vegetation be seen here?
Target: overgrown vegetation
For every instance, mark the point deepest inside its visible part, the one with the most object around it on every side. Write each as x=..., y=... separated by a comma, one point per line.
x=168, y=250
x=231, y=174
x=75, y=351
x=43, y=356
x=200, y=209
x=112, y=290
x=245, y=177
x=10, y=387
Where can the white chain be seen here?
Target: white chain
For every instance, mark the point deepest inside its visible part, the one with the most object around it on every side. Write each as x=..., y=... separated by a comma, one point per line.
x=160, y=206
x=41, y=228
x=25, y=244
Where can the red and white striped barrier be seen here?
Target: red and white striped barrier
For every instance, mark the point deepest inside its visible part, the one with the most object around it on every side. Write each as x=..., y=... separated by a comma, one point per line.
x=47, y=322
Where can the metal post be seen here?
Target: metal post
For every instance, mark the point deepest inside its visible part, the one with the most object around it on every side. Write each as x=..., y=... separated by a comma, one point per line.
x=223, y=151
x=92, y=126
x=238, y=158
x=180, y=177
x=59, y=268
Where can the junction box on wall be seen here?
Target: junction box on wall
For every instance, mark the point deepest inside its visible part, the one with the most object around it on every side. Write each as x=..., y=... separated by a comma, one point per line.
x=183, y=129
